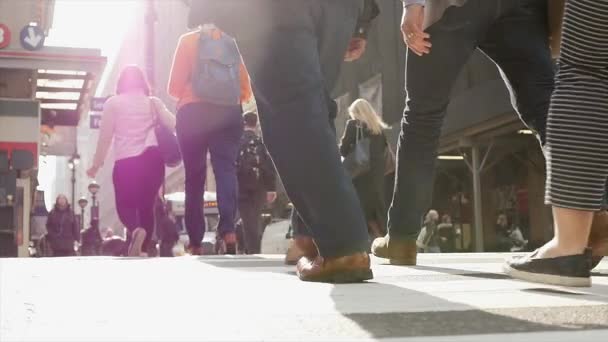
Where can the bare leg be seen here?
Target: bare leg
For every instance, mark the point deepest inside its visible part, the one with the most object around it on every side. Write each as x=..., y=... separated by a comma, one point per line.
x=572, y=229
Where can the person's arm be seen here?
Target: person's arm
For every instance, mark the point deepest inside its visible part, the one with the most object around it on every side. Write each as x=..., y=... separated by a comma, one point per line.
x=349, y=139
x=181, y=69
x=412, y=30
x=358, y=43
x=106, y=133
x=246, y=92
x=164, y=114
x=366, y=19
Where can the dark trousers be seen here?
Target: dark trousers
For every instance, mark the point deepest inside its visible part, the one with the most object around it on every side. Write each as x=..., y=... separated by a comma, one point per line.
x=514, y=35
x=136, y=184
x=298, y=226
x=251, y=205
x=217, y=129
x=302, y=39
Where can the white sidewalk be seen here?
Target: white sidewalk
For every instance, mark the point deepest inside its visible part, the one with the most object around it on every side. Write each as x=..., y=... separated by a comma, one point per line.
x=256, y=298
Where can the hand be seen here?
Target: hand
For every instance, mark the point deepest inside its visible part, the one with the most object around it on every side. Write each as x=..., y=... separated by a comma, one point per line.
x=411, y=28
x=356, y=49
x=92, y=171
x=271, y=196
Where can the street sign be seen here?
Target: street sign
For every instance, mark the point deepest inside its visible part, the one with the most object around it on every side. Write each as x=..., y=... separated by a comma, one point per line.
x=94, y=121
x=97, y=103
x=32, y=38
x=5, y=36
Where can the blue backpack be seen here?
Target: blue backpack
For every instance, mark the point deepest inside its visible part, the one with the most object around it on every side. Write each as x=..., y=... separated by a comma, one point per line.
x=216, y=71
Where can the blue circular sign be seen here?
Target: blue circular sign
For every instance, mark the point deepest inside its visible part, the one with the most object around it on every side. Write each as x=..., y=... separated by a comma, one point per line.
x=32, y=38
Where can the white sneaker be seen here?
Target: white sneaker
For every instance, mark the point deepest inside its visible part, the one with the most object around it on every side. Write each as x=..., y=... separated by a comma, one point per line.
x=137, y=241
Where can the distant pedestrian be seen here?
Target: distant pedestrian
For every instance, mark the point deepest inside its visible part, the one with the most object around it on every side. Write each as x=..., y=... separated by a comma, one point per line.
x=447, y=234
x=62, y=228
x=129, y=120
x=365, y=123
x=166, y=230
x=428, y=239
x=211, y=83
x=257, y=187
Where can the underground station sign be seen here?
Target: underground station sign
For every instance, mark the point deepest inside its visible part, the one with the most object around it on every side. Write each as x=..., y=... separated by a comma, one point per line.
x=5, y=36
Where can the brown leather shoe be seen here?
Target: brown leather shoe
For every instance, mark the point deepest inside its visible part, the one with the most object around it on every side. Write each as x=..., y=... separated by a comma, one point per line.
x=301, y=246
x=398, y=252
x=598, y=239
x=353, y=268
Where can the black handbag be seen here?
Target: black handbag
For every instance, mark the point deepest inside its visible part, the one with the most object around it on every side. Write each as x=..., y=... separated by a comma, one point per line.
x=358, y=161
x=167, y=141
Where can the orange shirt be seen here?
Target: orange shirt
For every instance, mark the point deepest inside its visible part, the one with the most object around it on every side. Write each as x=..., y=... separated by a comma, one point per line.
x=180, y=80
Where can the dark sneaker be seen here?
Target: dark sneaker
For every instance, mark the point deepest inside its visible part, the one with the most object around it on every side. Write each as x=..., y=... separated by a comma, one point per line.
x=571, y=270
x=137, y=241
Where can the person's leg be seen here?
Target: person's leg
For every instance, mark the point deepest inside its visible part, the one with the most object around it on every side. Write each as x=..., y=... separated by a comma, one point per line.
x=429, y=82
x=152, y=169
x=294, y=115
x=249, y=225
x=251, y=210
x=517, y=42
x=193, y=146
x=223, y=147
x=126, y=206
x=577, y=166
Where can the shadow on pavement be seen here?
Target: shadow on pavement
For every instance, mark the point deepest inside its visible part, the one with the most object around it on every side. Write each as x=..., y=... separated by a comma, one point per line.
x=389, y=311
x=442, y=317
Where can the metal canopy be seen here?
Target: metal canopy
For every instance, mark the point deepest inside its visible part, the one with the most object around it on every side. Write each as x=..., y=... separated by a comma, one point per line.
x=63, y=79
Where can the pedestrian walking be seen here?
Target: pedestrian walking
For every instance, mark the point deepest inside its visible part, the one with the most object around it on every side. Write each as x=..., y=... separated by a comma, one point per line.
x=211, y=82
x=290, y=50
x=428, y=239
x=577, y=145
x=62, y=228
x=441, y=36
x=129, y=121
x=365, y=123
x=257, y=183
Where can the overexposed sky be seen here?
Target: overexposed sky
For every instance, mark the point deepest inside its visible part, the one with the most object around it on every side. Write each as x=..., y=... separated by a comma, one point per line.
x=99, y=24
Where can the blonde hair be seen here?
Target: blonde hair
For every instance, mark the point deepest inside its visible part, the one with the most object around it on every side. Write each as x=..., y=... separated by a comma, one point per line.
x=363, y=111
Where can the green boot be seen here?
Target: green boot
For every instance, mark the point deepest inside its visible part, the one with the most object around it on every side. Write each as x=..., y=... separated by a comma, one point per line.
x=399, y=252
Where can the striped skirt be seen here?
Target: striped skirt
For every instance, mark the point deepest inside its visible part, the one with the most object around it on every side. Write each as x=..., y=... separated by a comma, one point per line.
x=577, y=128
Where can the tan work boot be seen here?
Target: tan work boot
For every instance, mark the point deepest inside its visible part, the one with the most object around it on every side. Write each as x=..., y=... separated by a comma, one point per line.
x=598, y=239
x=301, y=246
x=398, y=252
x=353, y=268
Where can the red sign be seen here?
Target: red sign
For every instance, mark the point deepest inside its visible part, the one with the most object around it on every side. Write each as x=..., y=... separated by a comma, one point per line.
x=5, y=36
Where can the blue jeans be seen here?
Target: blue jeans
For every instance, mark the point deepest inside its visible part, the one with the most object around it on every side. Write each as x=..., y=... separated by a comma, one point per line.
x=513, y=33
x=302, y=42
x=202, y=128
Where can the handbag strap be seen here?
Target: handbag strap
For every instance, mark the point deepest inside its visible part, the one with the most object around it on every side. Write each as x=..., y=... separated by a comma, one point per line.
x=359, y=134
x=154, y=112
